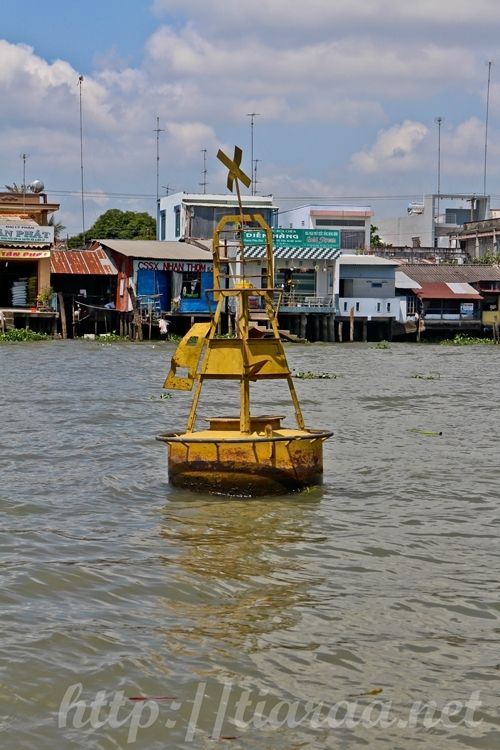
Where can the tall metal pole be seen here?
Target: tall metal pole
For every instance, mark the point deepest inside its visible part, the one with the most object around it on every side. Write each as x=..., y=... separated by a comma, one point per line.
x=204, y=181
x=490, y=62
x=252, y=116
x=24, y=157
x=439, y=121
x=158, y=130
x=80, y=81
x=255, y=180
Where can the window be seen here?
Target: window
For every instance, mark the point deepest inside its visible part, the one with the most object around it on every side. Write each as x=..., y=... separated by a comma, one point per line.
x=377, y=284
x=378, y=306
x=350, y=239
x=177, y=211
x=301, y=281
x=388, y=307
x=163, y=224
x=340, y=223
x=357, y=306
x=191, y=285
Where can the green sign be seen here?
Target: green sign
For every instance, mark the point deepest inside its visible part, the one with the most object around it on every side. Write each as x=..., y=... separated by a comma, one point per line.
x=298, y=238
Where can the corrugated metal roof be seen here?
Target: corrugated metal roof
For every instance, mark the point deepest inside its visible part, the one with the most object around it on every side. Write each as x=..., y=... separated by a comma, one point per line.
x=433, y=272
x=156, y=249
x=442, y=290
x=404, y=282
x=85, y=262
x=301, y=253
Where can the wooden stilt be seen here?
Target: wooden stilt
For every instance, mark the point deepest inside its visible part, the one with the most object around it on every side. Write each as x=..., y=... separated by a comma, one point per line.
x=62, y=313
x=316, y=328
x=324, y=328
x=303, y=326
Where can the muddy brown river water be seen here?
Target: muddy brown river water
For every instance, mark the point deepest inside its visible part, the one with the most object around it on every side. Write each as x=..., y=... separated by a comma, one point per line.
x=364, y=613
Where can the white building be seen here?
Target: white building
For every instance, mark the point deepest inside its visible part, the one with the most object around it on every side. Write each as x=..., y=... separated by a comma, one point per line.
x=431, y=223
x=195, y=215
x=353, y=222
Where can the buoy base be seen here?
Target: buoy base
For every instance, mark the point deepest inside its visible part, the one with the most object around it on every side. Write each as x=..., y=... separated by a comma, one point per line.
x=229, y=462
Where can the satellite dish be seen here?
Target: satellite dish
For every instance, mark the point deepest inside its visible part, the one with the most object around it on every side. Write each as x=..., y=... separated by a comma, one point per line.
x=36, y=186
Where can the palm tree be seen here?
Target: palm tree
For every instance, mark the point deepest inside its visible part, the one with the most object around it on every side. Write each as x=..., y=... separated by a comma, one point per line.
x=15, y=188
x=58, y=228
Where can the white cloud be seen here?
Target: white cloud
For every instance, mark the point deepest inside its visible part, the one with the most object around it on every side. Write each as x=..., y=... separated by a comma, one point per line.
x=282, y=18
x=396, y=149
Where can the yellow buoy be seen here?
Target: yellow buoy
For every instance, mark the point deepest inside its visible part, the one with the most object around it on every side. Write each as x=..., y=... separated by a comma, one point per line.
x=244, y=454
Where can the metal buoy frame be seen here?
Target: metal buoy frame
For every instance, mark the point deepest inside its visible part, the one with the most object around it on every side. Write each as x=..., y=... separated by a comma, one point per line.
x=240, y=455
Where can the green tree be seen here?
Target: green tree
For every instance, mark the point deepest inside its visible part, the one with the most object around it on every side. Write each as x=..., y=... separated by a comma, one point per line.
x=490, y=258
x=375, y=240
x=118, y=225
x=58, y=227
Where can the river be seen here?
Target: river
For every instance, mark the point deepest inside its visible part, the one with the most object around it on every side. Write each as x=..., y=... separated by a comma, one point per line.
x=360, y=614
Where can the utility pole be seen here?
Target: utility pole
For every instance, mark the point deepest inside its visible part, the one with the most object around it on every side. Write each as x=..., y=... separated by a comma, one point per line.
x=80, y=82
x=158, y=130
x=252, y=116
x=490, y=63
x=204, y=182
x=24, y=157
x=439, y=121
x=255, y=180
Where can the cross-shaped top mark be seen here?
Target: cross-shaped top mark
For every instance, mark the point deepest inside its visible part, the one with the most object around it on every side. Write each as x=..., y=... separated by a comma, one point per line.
x=235, y=172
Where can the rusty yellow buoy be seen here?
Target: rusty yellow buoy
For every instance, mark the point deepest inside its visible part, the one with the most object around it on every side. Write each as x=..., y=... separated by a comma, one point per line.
x=243, y=454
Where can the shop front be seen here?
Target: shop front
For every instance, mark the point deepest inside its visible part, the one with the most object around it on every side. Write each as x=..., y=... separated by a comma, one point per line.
x=174, y=285
x=24, y=261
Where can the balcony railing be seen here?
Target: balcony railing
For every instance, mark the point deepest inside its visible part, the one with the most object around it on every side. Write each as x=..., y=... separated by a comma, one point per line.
x=306, y=302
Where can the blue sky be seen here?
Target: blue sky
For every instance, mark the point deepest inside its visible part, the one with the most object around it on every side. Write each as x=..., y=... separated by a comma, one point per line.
x=347, y=94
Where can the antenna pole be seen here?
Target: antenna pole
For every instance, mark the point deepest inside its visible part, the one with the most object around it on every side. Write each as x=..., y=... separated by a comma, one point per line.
x=439, y=121
x=24, y=157
x=158, y=130
x=204, y=182
x=80, y=82
x=490, y=62
x=255, y=180
x=252, y=116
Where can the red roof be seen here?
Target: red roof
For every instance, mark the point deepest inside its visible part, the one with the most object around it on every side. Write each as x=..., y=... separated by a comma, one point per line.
x=442, y=290
x=83, y=262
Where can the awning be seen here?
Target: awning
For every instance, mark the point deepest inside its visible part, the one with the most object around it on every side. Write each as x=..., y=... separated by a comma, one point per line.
x=83, y=262
x=156, y=249
x=443, y=290
x=299, y=253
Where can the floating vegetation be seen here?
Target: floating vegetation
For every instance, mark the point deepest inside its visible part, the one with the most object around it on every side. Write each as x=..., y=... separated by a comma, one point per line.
x=23, y=334
x=382, y=345
x=426, y=433
x=430, y=376
x=315, y=375
x=462, y=339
